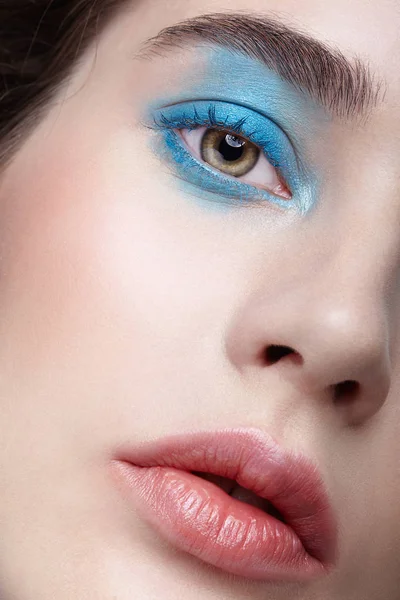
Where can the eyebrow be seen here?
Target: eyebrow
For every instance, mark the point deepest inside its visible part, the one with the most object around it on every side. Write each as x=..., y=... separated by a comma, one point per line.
x=345, y=87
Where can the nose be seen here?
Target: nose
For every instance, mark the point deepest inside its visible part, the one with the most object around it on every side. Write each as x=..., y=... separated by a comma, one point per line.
x=327, y=337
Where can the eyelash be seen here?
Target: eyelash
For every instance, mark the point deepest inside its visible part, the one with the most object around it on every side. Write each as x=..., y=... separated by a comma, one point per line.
x=211, y=122
x=222, y=188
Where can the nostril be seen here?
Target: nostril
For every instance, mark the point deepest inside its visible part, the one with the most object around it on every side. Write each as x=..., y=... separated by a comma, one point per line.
x=346, y=391
x=274, y=353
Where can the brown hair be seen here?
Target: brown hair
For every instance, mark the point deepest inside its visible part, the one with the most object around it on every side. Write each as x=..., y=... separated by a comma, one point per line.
x=40, y=42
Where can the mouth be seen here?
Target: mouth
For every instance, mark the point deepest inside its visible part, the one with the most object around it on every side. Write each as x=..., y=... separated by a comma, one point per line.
x=236, y=500
x=234, y=490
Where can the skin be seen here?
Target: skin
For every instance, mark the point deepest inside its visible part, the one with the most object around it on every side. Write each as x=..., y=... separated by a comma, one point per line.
x=129, y=312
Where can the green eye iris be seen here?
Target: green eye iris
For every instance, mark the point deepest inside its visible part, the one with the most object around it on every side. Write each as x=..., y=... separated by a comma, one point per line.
x=228, y=153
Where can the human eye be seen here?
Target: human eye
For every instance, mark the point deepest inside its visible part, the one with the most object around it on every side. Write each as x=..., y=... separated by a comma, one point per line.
x=235, y=156
x=228, y=153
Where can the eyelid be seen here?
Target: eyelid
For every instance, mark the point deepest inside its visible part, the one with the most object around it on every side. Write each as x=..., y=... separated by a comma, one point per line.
x=253, y=125
x=246, y=122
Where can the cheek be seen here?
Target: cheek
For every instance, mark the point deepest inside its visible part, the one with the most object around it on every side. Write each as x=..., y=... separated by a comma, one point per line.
x=107, y=280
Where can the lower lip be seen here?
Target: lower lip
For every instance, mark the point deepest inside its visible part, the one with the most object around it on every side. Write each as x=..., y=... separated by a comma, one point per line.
x=199, y=518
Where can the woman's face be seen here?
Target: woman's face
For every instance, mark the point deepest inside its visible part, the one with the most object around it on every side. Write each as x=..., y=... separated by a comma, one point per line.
x=192, y=243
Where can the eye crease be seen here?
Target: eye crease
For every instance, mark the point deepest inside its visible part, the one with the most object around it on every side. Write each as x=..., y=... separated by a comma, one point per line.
x=235, y=156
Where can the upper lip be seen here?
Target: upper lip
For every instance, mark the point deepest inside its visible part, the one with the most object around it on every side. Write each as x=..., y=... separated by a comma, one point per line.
x=251, y=457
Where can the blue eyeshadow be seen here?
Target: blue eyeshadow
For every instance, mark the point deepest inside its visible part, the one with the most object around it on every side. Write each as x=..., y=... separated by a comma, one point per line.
x=243, y=96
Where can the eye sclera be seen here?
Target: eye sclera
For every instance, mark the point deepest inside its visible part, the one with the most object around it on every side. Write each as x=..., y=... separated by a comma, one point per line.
x=194, y=136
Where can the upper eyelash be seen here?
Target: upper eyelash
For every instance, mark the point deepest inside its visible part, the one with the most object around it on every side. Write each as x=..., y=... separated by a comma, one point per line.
x=212, y=121
x=190, y=123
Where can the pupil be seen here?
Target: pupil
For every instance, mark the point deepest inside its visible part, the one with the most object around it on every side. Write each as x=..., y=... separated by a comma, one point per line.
x=231, y=148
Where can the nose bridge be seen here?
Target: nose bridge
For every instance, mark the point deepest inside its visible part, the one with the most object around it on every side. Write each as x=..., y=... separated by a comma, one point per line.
x=358, y=264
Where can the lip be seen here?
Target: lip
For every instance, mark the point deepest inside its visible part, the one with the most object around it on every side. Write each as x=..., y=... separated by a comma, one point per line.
x=198, y=517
